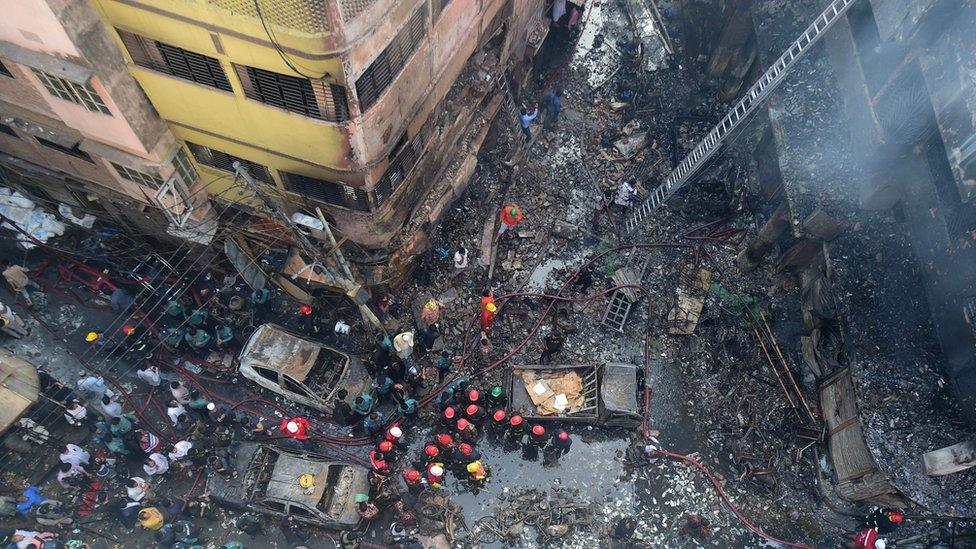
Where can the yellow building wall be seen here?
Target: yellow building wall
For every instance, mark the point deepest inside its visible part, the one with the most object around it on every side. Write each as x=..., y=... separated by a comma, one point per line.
x=229, y=118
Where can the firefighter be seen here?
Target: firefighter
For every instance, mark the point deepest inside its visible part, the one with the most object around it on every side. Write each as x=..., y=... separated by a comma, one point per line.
x=435, y=475
x=444, y=442
x=394, y=434
x=386, y=447
x=475, y=414
x=499, y=419
x=538, y=436
x=466, y=453
x=496, y=397
x=474, y=397
x=466, y=430
x=478, y=472
x=432, y=452
x=562, y=442
x=449, y=416
x=412, y=478
x=516, y=428
x=884, y=521
x=379, y=462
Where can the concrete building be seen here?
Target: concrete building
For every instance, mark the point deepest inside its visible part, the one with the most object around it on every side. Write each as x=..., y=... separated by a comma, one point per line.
x=356, y=107
x=863, y=178
x=77, y=129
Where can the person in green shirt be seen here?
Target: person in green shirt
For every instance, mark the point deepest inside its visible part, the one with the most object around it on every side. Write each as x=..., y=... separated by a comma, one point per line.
x=197, y=317
x=122, y=424
x=172, y=337
x=116, y=446
x=197, y=403
x=198, y=340
x=224, y=335
x=175, y=308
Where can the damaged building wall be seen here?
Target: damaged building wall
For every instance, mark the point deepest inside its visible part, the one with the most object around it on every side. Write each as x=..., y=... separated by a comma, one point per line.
x=868, y=134
x=81, y=132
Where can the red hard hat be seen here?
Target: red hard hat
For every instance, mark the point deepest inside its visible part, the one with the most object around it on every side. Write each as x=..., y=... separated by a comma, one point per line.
x=431, y=450
x=462, y=424
x=896, y=517
x=473, y=395
x=499, y=415
x=305, y=309
x=563, y=435
x=386, y=446
x=538, y=430
x=472, y=409
x=128, y=329
x=465, y=449
x=449, y=412
x=516, y=421
x=444, y=440
x=411, y=475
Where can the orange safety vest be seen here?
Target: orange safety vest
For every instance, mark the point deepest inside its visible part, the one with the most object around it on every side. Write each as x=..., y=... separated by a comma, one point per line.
x=477, y=470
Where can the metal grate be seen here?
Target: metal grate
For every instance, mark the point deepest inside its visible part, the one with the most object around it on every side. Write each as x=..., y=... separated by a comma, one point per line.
x=82, y=94
x=181, y=163
x=223, y=161
x=617, y=312
x=352, y=8
x=385, y=68
x=135, y=176
x=326, y=191
x=301, y=15
x=312, y=98
x=193, y=66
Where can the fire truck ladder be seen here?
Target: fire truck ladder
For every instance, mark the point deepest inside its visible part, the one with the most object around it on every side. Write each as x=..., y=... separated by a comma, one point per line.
x=753, y=98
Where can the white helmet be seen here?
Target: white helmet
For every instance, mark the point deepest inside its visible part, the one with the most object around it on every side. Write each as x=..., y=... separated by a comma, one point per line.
x=437, y=470
x=396, y=431
x=292, y=427
x=880, y=544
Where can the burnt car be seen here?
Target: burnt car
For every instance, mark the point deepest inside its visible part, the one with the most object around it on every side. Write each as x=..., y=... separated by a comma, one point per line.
x=302, y=370
x=269, y=480
x=601, y=394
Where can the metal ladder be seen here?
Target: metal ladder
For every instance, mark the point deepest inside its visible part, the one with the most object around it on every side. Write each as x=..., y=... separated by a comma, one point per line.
x=619, y=307
x=753, y=98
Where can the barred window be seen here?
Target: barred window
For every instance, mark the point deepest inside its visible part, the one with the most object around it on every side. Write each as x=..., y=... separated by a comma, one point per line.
x=385, y=68
x=135, y=176
x=403, y=158
x=73, y=151
x=326, y=191
x=175, y=61
x=83, y=94
x=181, y=163
x=312, y=98
x=4, y=70
x=223, y=161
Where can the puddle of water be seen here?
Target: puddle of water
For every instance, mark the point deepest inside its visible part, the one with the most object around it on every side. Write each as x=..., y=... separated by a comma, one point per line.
x=541, y=273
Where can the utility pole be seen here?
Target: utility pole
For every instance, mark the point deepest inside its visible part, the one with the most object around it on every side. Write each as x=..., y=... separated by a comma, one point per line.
x=345, y=280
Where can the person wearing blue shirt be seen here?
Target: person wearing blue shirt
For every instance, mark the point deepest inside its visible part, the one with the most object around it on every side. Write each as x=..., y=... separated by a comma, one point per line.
x=28, y=499
x=526, y=118
x=553, y=100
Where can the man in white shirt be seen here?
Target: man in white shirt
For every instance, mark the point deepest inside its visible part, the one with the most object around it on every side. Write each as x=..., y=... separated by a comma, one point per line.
x=174, y=411
x=110, y=408
x=461, y=258
x=75, y=413
x=150, y=375
x=75, y=455
x=136, y=488
x=156, y=464
x=180, y=450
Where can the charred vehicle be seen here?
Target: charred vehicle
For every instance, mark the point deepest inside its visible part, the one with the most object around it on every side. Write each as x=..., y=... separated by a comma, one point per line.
x=312, y=488
x=604, y=394
x=300, y=369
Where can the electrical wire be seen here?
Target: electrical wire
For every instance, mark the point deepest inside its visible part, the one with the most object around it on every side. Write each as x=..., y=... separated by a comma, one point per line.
x=278, y=48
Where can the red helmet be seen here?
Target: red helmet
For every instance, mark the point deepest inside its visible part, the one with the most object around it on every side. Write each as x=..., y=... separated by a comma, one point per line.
x=499, y=415
x=431, y=450
x=465, y=449
x=462, y=424
x=386, y=446
x=895, y=517
x=473, y=395
x=472, y=409
x=411, y=475
x=305, y=309
x=128, y=329
x=538, y=430
x=444, y=440
x=449, y=412
x=563, y=435
x=516, y=421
